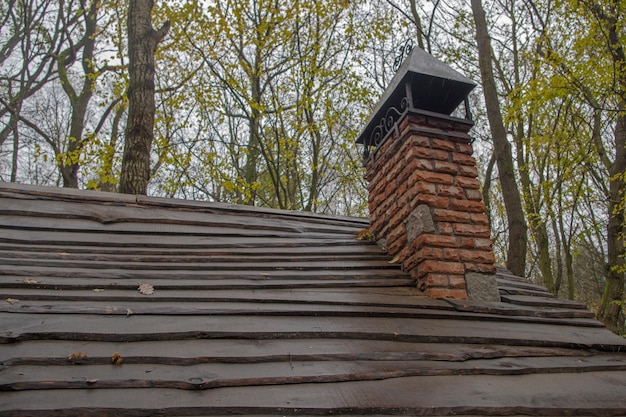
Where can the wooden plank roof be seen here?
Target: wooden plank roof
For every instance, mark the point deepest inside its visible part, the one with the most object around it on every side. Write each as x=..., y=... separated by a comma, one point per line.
x=249, y=311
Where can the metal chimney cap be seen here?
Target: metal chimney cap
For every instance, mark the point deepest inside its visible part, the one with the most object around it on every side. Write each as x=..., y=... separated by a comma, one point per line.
x=423, y=83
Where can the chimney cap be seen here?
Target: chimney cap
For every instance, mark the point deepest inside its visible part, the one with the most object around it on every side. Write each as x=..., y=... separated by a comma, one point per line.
x=423, y=83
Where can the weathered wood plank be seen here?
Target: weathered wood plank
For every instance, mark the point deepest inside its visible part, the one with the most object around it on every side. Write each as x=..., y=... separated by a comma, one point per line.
x=253, y=351
x=29, y=192
x=516, y=310
x=188, y=306
x=558, y=394
x=89, y=215
x=142, y=372
x=119, y=256
x=349, y=249
x=542, y=301
x=159, y=240
x=16, y=327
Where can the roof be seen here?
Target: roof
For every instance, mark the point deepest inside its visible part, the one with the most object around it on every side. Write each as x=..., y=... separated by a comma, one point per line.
x=249, y=311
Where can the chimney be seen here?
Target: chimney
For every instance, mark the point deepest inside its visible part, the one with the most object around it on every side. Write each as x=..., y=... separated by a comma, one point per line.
x=425, y=204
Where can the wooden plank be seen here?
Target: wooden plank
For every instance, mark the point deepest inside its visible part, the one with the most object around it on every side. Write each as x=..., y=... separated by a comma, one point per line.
x=519, y=310
x=85, y=215
x=203, y=264
x=198, y=351
x=74, y=225
x=350, y=249
x=187, y=307
x=98, y=373
x=16, y=327
x=29, y=192
x=591, y=393
x=157, y=240
x=203, y=257
x=542, y=301
x=351, y=296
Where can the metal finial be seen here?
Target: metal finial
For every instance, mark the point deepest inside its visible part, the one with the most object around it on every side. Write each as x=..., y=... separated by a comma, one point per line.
x=403, y=52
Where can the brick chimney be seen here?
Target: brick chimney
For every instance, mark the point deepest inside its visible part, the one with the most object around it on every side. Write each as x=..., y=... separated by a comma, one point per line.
x=425, y=204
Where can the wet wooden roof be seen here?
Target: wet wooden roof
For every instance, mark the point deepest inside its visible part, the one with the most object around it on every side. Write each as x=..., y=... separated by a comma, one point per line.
x=249, y=311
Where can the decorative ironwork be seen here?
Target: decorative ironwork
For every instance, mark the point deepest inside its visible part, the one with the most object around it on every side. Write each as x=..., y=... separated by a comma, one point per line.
x=403, y=53
x=387, y=122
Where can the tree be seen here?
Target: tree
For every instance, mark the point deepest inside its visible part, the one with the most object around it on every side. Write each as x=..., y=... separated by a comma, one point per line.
x=142, y=43
x=516, y=254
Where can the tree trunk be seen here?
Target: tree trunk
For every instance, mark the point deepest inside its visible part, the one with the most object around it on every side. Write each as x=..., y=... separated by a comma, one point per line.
x=142, y=43
x=518, y=239
x=611, y=305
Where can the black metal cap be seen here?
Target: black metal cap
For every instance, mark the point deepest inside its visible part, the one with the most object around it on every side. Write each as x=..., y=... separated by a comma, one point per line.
x=423, y=83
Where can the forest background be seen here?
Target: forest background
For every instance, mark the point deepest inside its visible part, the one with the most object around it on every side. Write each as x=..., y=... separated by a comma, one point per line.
x=260, y=101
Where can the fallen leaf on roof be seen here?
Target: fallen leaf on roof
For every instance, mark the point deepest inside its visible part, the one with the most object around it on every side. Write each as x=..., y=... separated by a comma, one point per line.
x=364, y=234
x=116, y=359
x=129, y=312
x=30, y=281
x=12, y=300
x=146, y=289
x=91, y=381
x=76, y=355
x=98, y=290
x=395, y=260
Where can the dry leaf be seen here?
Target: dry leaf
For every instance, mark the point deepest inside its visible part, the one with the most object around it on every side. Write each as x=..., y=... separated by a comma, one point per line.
x=12, y=300
x=31, y=281
x=395, y=260
x=364, y=234
x=146, y=289
x=91, y=381
x=77, y=355
x=98, y=290
x=116, y=359
x=129, y=312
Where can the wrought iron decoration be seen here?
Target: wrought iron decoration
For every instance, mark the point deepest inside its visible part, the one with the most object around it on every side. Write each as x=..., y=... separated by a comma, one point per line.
x=403, y=52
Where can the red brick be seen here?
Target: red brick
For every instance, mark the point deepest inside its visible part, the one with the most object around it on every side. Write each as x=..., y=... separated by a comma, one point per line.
x=477, y=256
x=440, y=123
x=444, y=228
x=479, y=218
x=429, y=252
x=450, y=254
x=463, y=159
x=423, y=187
x=459, y=294
x=467, y=182
x=436, y=280
x=431, y=201
x=440, y=241
x=451, y=191
x=447, y=167
x=465, y=148
x=473, y=195
x=434, y=177
x=397, y=245
x=483, y=244
x=473, y=230
x=482, y=268
x=440, y=267
x=420, y=141
x=427, y=153
x=467, y=205
x=399, y=216
x=456, y=281
x=392, y=173
x=467, y=242
x=468, y=171
x=395, y=233
x=451, y=216
x=443, y=144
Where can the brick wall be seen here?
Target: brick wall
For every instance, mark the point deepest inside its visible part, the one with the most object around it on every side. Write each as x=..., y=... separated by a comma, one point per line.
x=426, y=207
